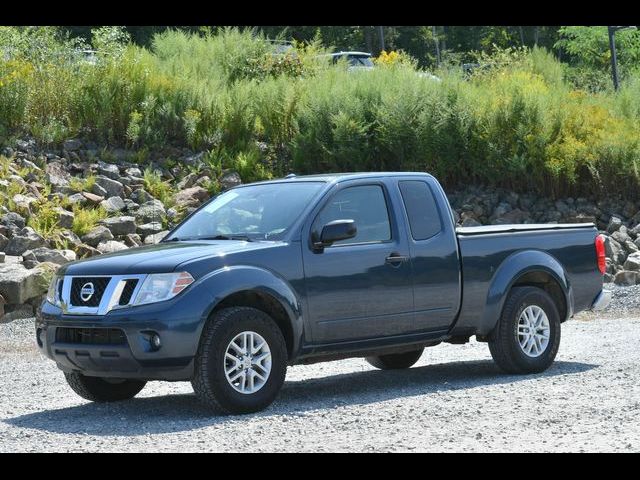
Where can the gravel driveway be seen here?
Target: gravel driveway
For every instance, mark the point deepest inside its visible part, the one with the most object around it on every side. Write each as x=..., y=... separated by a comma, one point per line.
x=454, y=399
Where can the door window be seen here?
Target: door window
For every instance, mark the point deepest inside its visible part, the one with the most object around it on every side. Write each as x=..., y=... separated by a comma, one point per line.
x=366, y=205
x=424, y=219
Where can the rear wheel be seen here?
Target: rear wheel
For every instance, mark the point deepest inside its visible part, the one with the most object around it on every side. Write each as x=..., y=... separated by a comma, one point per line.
x=98, y=389
x=527, y=337
x=395, y=361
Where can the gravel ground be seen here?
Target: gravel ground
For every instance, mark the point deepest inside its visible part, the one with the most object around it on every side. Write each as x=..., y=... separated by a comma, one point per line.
x=454, y=399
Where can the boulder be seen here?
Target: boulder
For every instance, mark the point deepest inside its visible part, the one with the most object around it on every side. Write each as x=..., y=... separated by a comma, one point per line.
x=614, y=224
x=2, y=257
x=632, y=262
x=72, y=145
x=133, y=172
x=59, y=257
x=65, y=217
x=625, y=278
x=133, y=240
x=96, y=235
x=120, y=225
x=141, y=196
x=84, y=251
x=230, y=180
x=92, y=197
x=13, y=220
x=113, y=204
x=150, y=212
x=113, y=188
x=4, y=241
x=77, y=198
x=19, y=284
x=109, y=170
x=155, y=238
x=110, y=246
x=56, y=175
x=188, y=181
x=27, y=239
x=191, y=197
x=149, y=228
x=98, y=191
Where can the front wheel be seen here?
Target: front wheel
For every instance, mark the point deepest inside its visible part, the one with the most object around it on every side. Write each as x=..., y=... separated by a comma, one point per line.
x=527, y=336
x=241, y=361
x=99, y=389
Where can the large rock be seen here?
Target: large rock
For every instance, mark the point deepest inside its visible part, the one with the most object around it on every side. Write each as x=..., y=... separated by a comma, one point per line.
x=110, y=246
x=109, y=170
x=56, y=175
x=614, y=224
x=19, y=284
x=632, y=262
x=13, y=220
x=4, y=241
x=27, y=239
x=84, y=251
x=150, y=212
x=155, y=238
x=120, y=225
x=113, y=204
x=72, y=145
x=149, y=228
x=626, y=278
x=65, y=217
x=59, y=257
x=230, y=180
x=191, y=197
x=96, y=235
x=113, y=188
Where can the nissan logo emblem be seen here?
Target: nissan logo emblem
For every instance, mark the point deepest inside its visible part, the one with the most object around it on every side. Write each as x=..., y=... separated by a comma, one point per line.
x=87, y=291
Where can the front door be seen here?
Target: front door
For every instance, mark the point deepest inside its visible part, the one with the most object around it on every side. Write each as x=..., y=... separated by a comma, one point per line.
x=361, y=287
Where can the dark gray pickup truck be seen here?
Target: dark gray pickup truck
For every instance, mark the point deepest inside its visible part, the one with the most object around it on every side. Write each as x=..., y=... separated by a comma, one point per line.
x=309, y=269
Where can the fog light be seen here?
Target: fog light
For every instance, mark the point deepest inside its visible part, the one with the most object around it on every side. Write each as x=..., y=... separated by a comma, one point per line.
x=155, y=341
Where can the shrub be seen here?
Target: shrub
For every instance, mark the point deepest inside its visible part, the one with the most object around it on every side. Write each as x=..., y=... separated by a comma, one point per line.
x=86, y=218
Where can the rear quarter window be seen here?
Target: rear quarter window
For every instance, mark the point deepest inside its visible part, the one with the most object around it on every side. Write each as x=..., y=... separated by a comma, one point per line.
x=422, y=211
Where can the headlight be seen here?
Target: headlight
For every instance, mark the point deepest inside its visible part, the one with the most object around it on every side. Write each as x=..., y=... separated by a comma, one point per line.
x=158, y=287
x=52, y=292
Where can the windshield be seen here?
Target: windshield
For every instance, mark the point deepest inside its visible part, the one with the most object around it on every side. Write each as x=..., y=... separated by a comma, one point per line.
x=256, y=212
x=360, y=61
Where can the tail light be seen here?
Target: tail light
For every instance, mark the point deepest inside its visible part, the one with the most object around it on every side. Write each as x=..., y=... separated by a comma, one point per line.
x=602, y=263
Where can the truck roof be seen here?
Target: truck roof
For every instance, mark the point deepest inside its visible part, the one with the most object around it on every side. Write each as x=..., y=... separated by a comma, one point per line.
x=339, y=177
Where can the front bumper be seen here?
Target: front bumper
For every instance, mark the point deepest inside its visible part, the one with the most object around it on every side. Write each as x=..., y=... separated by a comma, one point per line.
x=177, y=322
x=602, y=300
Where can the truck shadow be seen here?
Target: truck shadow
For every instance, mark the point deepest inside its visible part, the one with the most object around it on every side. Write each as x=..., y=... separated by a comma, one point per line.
x=182, y=412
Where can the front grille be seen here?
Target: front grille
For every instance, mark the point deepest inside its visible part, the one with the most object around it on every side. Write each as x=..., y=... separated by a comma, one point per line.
x=99, y=286
x=127, y=291
x=91, y=336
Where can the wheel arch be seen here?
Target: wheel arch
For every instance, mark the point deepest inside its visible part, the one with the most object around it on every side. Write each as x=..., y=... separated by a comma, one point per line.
x=262, y=289
x=527, y=268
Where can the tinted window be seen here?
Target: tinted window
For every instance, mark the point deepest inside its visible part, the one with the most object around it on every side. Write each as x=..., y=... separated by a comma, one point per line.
x=365, y=205
x=422, y=210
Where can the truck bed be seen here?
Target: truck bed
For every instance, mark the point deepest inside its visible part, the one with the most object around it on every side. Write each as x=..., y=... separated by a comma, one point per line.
x=490, y=254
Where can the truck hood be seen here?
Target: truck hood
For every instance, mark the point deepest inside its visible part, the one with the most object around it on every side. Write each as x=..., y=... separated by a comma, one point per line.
x=159, y=258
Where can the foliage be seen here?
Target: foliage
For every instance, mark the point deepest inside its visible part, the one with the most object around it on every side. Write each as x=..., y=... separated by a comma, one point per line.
x=86, y=219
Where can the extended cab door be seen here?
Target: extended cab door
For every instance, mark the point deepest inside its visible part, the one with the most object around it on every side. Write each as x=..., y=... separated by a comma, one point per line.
x=361, y=287
x=435, y=261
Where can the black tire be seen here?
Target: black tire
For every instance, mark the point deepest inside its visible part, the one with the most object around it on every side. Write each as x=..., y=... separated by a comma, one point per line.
x=395, y=361
x=99, y=389
x=209, y=381
x=503, y=341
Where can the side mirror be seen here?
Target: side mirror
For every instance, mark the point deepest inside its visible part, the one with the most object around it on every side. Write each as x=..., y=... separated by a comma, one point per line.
x=334, y=232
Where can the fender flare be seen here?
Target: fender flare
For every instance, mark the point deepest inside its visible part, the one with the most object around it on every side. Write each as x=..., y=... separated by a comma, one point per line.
x=510, y=271
x=229, y=280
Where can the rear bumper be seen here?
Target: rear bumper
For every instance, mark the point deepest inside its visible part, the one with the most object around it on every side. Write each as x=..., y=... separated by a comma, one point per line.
x=602, y=300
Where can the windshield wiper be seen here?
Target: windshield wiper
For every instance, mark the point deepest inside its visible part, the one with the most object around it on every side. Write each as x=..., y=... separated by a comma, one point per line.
x=225, y=237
